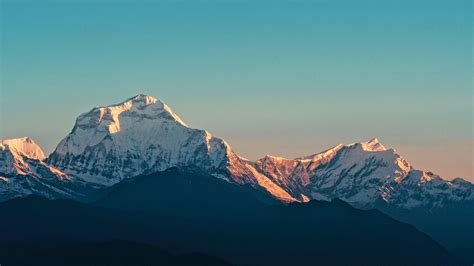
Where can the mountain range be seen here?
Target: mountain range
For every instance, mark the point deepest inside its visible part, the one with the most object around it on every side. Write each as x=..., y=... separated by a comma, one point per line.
x=143, y=135
x=139, y=156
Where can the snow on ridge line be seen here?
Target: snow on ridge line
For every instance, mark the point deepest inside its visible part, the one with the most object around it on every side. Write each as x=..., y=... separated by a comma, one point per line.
x=372, y=145
x=139, y=135
x=139, y=111
x=139, y=103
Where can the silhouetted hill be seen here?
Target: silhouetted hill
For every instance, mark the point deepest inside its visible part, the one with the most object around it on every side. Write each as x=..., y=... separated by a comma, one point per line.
x=186, y=193
x=189, y=212
x=451, y=225
x=117, y=253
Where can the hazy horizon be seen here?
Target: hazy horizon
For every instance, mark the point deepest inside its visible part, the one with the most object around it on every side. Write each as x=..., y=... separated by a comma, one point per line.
x=286, y=79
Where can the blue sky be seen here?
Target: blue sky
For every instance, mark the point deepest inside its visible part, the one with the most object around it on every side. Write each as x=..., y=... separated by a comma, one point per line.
x=287, y=78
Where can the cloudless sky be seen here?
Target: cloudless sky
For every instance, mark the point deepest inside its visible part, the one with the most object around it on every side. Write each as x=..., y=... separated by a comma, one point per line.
x=287, y=78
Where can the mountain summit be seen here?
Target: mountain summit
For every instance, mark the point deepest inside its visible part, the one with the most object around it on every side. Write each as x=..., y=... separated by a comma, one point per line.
x=363, y=174
x=15, y=154
x=373, y=145
x=142, y=135
x=24, y=147
x=23, y=171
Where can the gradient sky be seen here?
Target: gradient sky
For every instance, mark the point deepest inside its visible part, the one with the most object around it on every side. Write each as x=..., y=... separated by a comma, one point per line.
x=287, y=78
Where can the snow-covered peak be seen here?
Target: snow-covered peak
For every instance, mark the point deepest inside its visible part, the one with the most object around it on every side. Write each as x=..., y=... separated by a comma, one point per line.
x=143, y=98
x=141, y=102
x=132, y=122
x=23, y=172
x=140, y=106
x=275, y=158
x=361, y=174
x=24, y=147
x=143, y=135
x=22, y=156
x=372, y=145
x=139, y=135
x=325, y=155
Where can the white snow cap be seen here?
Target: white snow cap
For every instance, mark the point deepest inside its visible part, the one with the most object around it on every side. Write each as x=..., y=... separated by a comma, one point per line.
x=373, y=145
x=147, y=99
x=141, y=134
x=142, y=104
x=24, y=146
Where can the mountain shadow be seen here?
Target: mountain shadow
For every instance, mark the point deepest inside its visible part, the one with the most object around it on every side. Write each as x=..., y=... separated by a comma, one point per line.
x=451, y=225
x=188, y=212
x=116, y=252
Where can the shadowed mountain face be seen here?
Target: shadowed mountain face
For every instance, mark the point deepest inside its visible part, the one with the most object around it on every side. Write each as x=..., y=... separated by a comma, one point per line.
x=452, y=226
x=187, y=193
x=181, y=216
x=449, y=226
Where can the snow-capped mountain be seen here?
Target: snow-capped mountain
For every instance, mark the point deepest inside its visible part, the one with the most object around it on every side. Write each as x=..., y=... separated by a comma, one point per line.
x=143, y=135
x=15, y=152
x=361, y=174
x=23, y=172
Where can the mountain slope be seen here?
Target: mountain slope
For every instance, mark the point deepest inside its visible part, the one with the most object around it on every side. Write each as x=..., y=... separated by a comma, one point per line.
x=361, y=174
x=450, y=226
x=16, y=152
x=23, y=172
x=109, y=144
x=186, y=193
x=143, y=135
